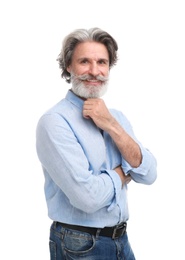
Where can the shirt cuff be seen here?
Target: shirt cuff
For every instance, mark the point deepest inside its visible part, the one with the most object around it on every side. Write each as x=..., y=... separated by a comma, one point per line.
x=142, y=169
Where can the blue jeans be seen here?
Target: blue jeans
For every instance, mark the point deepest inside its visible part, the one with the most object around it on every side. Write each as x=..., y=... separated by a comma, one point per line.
x=68, y=244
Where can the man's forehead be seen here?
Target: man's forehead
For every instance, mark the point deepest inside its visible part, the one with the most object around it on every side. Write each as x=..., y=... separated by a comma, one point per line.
x=91, y=49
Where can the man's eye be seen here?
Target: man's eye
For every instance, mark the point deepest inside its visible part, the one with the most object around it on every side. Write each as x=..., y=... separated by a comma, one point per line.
x=84, y=61
x=102, y=62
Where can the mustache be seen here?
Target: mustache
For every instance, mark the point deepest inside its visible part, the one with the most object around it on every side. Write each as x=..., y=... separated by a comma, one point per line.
x=90, y=77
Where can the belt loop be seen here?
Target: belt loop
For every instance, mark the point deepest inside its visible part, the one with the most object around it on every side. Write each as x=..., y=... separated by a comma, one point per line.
x=114, y=233
x=55, y=224
x=97, y=233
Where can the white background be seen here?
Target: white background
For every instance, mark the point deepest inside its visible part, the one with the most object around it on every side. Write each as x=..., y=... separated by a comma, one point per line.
x=147, y=85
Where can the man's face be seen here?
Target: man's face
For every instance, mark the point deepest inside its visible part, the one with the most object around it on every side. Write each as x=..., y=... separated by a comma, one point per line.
x=89, y=70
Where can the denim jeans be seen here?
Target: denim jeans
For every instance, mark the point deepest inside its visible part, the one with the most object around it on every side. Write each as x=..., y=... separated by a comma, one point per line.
x=68, y=244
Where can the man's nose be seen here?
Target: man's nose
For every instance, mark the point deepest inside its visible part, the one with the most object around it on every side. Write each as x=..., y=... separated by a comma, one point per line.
x=94, y=69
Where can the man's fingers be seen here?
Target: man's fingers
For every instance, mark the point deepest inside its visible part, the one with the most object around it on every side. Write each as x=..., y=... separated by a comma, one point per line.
x=128, y=179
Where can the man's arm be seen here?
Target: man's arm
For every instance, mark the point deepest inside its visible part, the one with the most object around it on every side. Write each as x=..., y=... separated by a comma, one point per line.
x=98, y=112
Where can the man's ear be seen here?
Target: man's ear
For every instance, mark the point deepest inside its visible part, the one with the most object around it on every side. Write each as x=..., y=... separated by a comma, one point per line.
x=69, y=69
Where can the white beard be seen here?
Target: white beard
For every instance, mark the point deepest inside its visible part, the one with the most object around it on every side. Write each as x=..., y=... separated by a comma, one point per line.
x=90, y=91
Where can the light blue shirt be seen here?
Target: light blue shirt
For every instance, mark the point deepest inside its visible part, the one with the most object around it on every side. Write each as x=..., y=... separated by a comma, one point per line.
x=81, y=186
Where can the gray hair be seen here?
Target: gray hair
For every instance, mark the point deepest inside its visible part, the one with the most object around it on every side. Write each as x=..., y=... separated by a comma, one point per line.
x=83, y=35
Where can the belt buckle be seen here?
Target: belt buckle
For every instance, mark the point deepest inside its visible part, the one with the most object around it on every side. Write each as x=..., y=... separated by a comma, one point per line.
x=119, y=230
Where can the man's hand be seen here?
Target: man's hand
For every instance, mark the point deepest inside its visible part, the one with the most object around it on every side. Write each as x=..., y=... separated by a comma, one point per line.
x=96, y=109
x=124, y=178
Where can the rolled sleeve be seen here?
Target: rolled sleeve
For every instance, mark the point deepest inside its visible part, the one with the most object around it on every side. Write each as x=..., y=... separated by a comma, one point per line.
x=117, y=188
x=146, y=173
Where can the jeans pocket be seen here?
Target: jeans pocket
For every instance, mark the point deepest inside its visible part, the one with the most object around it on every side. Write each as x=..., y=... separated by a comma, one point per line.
x=53, y=250
x=78, y=243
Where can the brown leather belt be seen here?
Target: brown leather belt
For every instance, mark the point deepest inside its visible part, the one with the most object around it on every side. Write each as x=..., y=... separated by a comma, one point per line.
x=113, y=232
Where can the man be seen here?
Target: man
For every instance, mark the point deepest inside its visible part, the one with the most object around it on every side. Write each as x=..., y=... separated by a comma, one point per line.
x=89, y=154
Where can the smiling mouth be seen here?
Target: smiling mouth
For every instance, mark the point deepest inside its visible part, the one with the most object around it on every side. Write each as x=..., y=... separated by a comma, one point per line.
x=93, y=82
